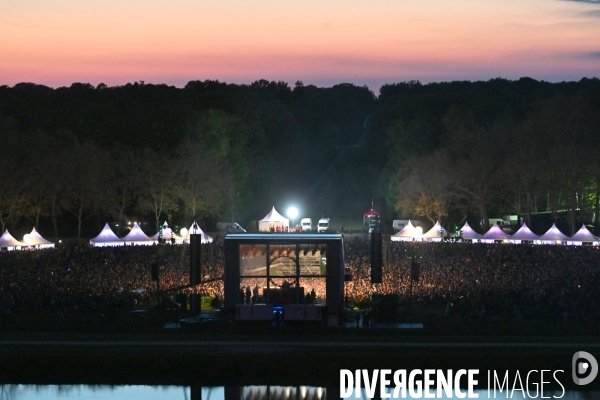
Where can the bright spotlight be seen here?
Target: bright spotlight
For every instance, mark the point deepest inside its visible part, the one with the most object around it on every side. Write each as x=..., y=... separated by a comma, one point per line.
x=27, y=237
x=418, y=231
x=292, y=212
x=183, y=232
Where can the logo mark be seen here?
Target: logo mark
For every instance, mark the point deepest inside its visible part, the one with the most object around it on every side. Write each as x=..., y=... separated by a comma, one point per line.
x=584, y=364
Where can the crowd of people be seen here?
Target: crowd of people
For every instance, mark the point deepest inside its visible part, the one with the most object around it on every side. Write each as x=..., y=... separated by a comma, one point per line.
x=461, y=280
x=486, y=280
x=73, y=279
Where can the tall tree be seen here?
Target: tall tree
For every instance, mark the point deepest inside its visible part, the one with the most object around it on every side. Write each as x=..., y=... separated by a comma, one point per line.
x=158, y=193
x=85, y=180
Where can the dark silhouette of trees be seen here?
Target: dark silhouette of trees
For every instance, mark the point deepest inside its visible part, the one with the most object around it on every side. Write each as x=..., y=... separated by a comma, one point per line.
x=79, y=155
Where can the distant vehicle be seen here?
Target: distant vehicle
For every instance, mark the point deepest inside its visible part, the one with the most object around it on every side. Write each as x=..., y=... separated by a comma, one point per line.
x=499, y=221
x=230, y=227
x=323, y=225
x=399, y=224
x=306, y=224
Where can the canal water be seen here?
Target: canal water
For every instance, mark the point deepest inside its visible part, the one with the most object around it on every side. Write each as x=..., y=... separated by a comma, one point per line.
x=274, y=392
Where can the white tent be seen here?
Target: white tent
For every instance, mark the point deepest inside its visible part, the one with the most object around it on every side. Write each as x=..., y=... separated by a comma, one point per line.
x=10, y=243
x=195, y=229
x=435, y=234
x=408, y=234
x=493, y=234
x=553, y=236
x=138, y=237
x=167, y=233
x=106, y=238
x=524, y=233
x=467, y=233
x=583, y=236
x=273, y=220
x=35, y=239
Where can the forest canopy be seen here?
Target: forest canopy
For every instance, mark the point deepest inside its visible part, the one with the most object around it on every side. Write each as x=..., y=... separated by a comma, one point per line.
x=75, y=157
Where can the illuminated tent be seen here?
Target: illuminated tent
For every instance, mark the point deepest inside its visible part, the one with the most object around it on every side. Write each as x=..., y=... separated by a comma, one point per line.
x=407, y=234
x=166, y=232
x=8, y=242
x=273, y=220
x=137, y=236
x=106, y=238
x=493, y=234
x=435, y=234
x=583, y=235
x=553, y=235
x=467, y=233
x=35, y=239
x=195, y=229
x=524, y=233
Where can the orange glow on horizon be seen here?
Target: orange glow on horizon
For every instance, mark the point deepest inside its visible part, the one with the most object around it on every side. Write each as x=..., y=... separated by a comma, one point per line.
x=351, y=41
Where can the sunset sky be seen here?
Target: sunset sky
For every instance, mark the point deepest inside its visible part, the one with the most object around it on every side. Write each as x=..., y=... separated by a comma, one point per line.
x=320, y=42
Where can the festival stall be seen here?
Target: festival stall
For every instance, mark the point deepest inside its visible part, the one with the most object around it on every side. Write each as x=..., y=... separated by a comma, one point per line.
x=435, y=234
x=195, y=229
x=553, y=236
x=106, y=238
x=583, y=236
x=467, y=233
x=36, y=240
x=524, y=234
x=408, y=234
x=10, y=243
x=273, y=222
x=494, y=235
x=137, y=237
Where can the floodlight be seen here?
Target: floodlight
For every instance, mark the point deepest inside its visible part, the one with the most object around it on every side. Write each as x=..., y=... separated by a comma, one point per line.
x=292, y=212
x=183, y=232
x=418, y=231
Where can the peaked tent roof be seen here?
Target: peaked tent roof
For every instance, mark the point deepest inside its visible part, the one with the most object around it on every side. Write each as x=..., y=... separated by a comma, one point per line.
x=195, y=228
x=554, y=234
x=495, y=233
x=584, y=235
x=466, y=232
x=524, y=233
x=435, y=231
x=407, y=231
x=136, y=235
x=274, y=216
x=106, y=236
x=6, y=240
x=167, y=233
x=372, y=211
x=36, y=239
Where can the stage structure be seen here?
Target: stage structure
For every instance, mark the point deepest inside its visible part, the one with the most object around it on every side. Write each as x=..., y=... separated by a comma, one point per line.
x=284, y=277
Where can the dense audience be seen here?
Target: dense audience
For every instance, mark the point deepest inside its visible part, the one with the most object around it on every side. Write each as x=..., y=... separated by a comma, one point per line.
x=66, y=280
x=487, y=280
x=459, y=280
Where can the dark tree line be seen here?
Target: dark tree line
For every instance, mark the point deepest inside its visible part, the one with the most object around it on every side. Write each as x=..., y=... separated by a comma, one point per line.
x=73, y=158
x=529, y=147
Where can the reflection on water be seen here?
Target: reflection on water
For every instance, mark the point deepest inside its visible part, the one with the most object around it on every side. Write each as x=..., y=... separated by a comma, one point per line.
x=100, y=392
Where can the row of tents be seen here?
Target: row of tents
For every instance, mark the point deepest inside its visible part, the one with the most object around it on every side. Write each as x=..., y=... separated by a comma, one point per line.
x=30, y=240
x=136, y=236
x=496, y=235
x=107, y=237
